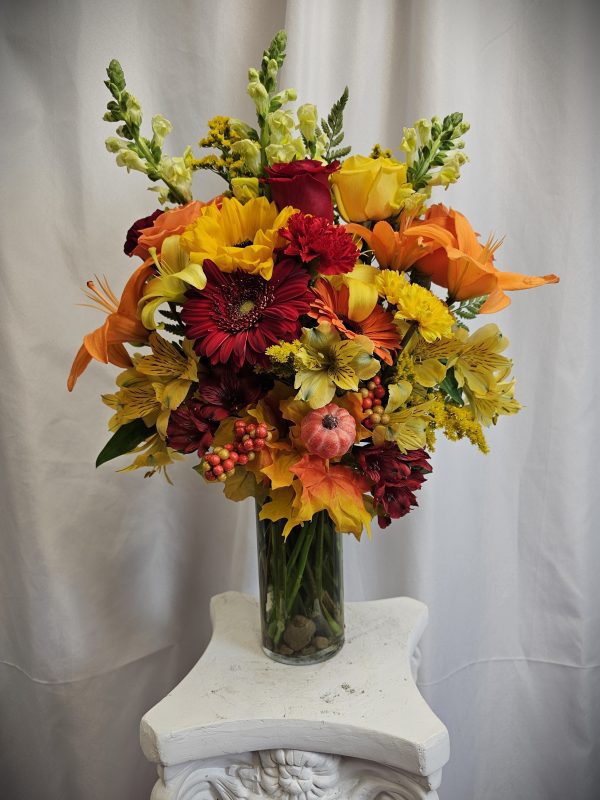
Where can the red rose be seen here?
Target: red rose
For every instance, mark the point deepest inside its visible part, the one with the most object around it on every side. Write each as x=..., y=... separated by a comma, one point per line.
x=304, y=185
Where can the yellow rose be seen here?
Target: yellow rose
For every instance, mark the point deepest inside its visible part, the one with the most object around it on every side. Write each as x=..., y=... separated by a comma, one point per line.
x=370, y=188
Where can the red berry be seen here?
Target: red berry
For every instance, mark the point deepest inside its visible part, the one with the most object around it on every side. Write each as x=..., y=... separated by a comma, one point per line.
x=243, y=459
x=371, y=394
x=259, y=444
x=367, y=402
x=218, y=470
x=228, y=446
x=213, y=459
x=209, y=475
x=248, y=445
x=250, y=427
x=261, y=431
x=377, y=380
x=228, y=464
x=379, y=392
x=234, y=456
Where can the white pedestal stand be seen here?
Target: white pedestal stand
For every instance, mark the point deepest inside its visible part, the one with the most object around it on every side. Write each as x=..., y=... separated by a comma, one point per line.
x=355, y=727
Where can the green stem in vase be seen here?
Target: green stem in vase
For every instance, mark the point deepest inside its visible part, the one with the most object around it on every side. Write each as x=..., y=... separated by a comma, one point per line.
x=309, y=533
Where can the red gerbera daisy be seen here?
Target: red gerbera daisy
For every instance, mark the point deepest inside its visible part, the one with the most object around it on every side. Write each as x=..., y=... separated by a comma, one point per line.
x=317, y=239
x=237, y=315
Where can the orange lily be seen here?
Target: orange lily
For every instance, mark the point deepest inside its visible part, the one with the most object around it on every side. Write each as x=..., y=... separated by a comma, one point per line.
x=393, y=249
x=106, y=343
x=465, y=266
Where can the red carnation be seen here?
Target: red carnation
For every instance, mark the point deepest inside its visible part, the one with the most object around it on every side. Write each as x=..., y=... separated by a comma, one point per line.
x=133, y=234
x=312, y=238
x=396, y=477
x=237, y=315
x=303, y=185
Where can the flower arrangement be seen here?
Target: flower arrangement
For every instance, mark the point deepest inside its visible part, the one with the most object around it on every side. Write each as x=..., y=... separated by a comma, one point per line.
x=305, y=333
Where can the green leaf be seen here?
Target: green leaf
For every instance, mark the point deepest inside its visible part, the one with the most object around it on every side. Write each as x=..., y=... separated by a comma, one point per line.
x=451, y=387
x=469, y=309
x=125, y=439
x=334, y=124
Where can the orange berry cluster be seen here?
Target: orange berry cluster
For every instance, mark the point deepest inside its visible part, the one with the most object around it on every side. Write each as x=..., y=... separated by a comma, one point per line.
x=249, y=437
x=372, y=398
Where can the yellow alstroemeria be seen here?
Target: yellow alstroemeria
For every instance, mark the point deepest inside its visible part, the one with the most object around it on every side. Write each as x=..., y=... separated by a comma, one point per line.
x=430, y=359
x=135, y=399
x=326, y=363
x=405, y=425
x=156, y=385
x=176, y=274
x=155, y=455
x=479, y=360
x=498, y=401
x=173, y=374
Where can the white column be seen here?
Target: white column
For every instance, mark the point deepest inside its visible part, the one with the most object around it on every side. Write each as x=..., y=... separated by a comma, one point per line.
x=355, y=727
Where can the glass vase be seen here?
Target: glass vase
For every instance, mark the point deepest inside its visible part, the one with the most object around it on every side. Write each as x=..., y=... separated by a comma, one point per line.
x=301, y=590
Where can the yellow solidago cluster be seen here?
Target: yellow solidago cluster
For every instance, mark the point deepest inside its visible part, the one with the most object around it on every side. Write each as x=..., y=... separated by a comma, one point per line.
x=457, y=423
x=220, y=137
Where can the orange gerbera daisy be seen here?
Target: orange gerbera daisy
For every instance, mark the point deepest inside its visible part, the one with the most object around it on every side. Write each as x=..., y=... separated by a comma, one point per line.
x=106, y=343
x=352, y=318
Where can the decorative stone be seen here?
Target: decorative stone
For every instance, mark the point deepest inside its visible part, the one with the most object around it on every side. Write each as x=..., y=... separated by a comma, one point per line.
x=299, y=632
x=353, y=728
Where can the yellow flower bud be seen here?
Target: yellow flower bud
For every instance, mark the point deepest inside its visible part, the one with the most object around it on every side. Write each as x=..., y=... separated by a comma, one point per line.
x=370, y=188
x=284, y=153
x=249, y=151
x=127, y=158
x=161, y=127
x=281, y=124
x=307, y=119
x=259, y=95
x=245, y=188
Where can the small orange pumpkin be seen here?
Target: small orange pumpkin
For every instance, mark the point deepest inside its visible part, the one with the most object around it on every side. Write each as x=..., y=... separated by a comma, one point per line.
x=328, y=432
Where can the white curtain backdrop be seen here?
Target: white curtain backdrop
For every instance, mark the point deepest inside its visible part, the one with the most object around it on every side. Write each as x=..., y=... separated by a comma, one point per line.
x=105, y=579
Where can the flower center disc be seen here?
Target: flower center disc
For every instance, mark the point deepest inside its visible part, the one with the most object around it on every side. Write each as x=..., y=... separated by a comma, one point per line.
x=246, y=307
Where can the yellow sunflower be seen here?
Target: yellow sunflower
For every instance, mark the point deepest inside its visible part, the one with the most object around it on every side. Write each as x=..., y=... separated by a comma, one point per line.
x=238, y=236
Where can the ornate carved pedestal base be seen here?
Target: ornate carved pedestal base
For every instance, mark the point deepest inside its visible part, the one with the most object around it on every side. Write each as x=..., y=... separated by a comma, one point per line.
x=353, y=728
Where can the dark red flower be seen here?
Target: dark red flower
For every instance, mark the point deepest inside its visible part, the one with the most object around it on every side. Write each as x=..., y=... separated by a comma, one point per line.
x=192, y=427
x=313, y=238
x=303, y=185
x=237, y=315
x=226, y=391
x=133, y=234
x=396, y=477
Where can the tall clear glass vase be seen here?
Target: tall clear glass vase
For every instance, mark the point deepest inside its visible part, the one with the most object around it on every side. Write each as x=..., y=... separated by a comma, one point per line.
x=301, y=590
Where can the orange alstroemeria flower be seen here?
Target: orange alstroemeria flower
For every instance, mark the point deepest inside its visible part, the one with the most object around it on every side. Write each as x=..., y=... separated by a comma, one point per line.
x=355, y=319
x=170, y=223
x=393, y=249
x=106, y=343
x=464, y=266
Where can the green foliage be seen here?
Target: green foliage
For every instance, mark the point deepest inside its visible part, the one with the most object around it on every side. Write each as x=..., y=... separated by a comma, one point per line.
x=469, y=309
x=451, y=387
x=333, y=129
x=124, y=440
